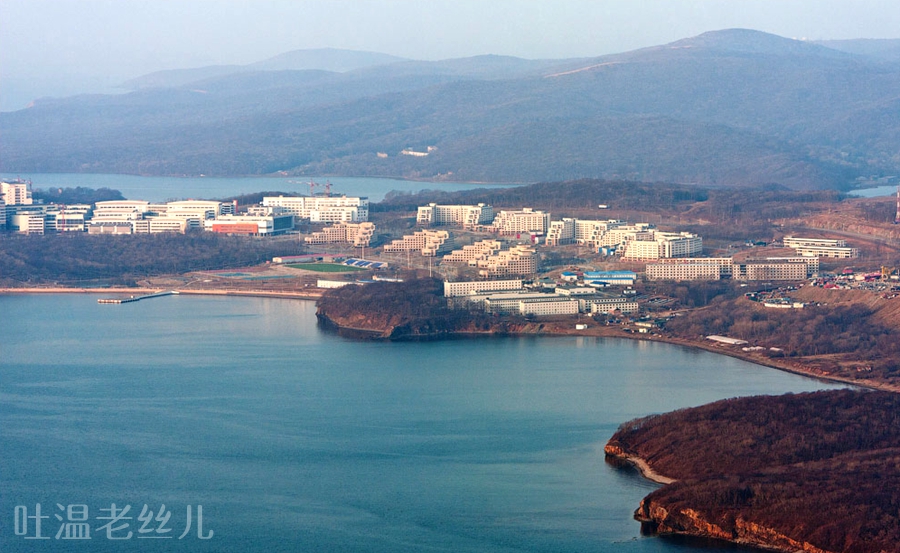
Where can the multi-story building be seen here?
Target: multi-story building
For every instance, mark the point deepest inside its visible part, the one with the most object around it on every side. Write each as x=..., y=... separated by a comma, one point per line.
x=110, y=227
x=357, y=234
x=609, y=278
x=2, y=214
x=561, y=232
x=609, y=305
x=472, y=253
x=538, y=308
x=16, y=192
x=72, y=218
x=766, y=269
x=258, y=225
x=466, y=216
x=428, y=242
x=323, y=209
x=590, y=233
x=27, y=222
x=120, y=210
x=723, y=263
x=683, y=271
x=457, y=289
x=664, y=245
x=518, y=260
x=194, y=211
x=525, y=221
x=821, y=247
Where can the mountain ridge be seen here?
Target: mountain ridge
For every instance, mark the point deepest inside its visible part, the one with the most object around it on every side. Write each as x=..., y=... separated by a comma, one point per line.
x=728, y=107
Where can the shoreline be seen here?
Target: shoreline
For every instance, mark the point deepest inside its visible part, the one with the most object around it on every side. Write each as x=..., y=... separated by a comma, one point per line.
x=550, y=328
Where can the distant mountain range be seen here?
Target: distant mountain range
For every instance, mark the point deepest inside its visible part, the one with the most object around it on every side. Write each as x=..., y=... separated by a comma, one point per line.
x=732, y=107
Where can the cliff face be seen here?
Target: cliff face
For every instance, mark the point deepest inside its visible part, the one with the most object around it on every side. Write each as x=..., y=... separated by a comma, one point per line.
x=658, y=518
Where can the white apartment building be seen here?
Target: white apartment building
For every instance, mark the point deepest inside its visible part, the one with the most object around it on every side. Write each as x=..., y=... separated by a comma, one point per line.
x=798, y=242
x=561, y=232
x=457, y=289
x=518, y=260
x=761, y=269
x=466, y=216
x=524, y=221
x=323, y=209
x=538, y=308
x=428, y=242
x=590, y=233
x=357, y=234
x=609, y=305
x=16, y=193
x=683, y=271
x=664, y=245
x=471, y=254
x=626, y=233
x=723, y=263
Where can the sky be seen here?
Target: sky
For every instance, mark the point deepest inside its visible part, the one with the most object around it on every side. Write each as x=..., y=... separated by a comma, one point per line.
x=65, y=47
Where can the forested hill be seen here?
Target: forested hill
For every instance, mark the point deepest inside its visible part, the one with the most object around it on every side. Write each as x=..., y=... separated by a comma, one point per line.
x=808, y=472
x=728, y=107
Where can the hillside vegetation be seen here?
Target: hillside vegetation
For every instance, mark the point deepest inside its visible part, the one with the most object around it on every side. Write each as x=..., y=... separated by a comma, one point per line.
x=814, y=472
x=728, y=107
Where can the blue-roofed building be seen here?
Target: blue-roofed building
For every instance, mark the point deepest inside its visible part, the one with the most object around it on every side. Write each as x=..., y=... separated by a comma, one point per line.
x=610, y=278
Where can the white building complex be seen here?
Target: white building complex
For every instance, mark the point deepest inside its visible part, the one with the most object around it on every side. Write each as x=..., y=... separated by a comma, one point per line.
x=516, y=261
x=465, y=288
x=561, y=232
x=466, y=216
x=323, y=209
x=525, y=221
x=663, y=245
x=820, y=247
x=770, y=269
x=359, y=235
x=427, y=242
x=689, y=268
x=473, y=253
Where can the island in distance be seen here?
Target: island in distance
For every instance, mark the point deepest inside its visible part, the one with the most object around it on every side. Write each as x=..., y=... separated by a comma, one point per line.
x=732, y=107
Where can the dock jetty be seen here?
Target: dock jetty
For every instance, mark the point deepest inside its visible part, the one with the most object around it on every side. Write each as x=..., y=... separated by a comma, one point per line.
x=137, y=298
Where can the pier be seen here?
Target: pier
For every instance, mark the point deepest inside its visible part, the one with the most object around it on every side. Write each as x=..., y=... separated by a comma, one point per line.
x=137, y=298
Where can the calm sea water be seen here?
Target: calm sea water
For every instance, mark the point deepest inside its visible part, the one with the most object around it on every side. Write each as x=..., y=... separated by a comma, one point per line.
x=293, y=439
x=159, y=189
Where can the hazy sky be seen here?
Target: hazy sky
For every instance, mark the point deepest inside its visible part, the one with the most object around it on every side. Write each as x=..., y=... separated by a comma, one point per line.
x=62, y=47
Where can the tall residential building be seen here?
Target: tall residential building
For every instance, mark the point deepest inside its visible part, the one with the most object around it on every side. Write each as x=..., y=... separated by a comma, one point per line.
x=323, y=209
x=524, y=221
x=2, y=214
x=561, y=232
x=16, y=193
x=466, y=216
x=590, y=233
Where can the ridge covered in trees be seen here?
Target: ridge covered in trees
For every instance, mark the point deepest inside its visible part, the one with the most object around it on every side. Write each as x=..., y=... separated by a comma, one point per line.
x=819, y=468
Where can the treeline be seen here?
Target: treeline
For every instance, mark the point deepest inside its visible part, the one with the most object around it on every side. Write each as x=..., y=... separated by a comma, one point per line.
x=77, y=195
x=70, y=259
x=848, y=330
x=820, y=467
x=416, y=307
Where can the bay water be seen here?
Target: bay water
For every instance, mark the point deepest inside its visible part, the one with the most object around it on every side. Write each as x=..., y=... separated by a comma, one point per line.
x=294, y=439
x=161, y=189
